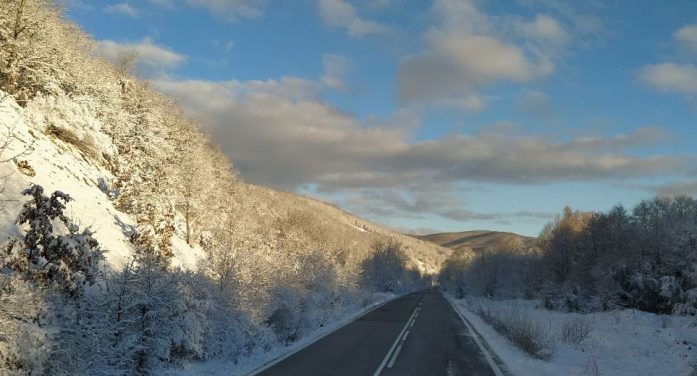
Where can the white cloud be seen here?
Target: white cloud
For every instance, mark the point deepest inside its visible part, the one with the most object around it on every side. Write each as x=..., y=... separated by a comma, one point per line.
x=152, y=59
x=470, y=51
x=671, y=77
x=339, y=13
x=545, y=29
x=335, y=69
x=281, y=138
x=123, y=9
x=281, y=133
x=687, y=36
x=232, y=9
x=534, y=103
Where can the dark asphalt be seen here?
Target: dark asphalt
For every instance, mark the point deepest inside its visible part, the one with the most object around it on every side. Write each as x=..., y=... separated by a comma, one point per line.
x=438, y=343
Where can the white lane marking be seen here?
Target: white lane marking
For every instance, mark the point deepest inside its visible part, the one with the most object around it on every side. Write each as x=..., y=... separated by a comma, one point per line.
x=394, y=345
x=405, y=336
x=394, y=357
x=417, y=315
x=487, y=356
x=412, y=322
x=296, y=350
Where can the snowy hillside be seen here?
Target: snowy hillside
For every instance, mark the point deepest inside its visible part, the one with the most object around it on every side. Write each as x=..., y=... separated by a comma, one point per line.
x=46, y=160
x=123, y=227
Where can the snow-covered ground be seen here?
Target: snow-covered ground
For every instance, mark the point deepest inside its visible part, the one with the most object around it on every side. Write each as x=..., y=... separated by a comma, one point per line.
x=623, y=342
x=58, y=165
x=262, y=359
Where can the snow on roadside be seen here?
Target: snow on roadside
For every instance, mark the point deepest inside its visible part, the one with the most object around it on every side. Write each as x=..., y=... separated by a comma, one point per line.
x=623, y=342
x=256, y=361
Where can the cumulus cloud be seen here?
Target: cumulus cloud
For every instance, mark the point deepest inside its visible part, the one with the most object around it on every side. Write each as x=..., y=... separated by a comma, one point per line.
x=152, y=59
x=687, y=37
x=335, y=69
x=339, y=13
x=421, y=204
x=470, y=50
x=534, y=103
x=232, y=9
x=677, y=188
x=280, y=133
x=123, y=9
x=671, y=77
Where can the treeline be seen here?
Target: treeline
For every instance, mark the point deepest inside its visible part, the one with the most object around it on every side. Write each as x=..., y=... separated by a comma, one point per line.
x=645, y=258
x=273, y=270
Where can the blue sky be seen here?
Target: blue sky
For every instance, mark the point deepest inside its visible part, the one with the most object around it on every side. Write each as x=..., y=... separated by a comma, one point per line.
x=442, y=115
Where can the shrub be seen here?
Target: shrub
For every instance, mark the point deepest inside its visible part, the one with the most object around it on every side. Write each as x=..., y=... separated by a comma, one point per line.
x=85, y=143
x=520, y=329
x=575, y=330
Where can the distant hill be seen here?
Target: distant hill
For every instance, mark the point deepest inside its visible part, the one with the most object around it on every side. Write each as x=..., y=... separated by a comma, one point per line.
x=480, y=240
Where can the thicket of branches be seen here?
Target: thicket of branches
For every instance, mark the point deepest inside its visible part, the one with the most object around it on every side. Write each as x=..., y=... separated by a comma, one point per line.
x=274, y=269
x=645, y=258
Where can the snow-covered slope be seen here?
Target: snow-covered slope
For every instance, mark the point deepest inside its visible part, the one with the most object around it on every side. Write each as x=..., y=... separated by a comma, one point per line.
x=59, y=144
x=46, y=160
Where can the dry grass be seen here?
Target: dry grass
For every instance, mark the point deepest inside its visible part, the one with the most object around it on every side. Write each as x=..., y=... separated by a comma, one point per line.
x=575, y=330
x=84, y=144
x=523, y=332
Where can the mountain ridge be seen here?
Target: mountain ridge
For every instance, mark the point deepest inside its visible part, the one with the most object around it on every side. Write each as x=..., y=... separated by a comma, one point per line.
x=479, y=240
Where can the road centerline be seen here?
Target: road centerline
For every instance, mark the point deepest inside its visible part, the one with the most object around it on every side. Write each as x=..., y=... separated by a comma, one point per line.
x=409, y=323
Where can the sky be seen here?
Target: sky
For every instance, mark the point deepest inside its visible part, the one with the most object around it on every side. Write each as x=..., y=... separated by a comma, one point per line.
x=430, y=116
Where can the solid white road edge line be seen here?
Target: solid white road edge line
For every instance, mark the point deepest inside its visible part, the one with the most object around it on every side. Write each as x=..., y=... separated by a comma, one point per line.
x=394, y=345
x=487, y=356
x=349, y=320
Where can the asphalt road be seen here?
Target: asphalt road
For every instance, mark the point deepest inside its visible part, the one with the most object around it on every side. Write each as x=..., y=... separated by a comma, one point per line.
x=418, y=334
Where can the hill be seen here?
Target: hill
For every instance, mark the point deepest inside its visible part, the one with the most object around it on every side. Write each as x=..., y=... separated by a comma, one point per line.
x=124, y=227
x=480, y=240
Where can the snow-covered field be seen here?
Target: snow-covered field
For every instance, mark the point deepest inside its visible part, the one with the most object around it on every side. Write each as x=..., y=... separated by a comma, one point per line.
x=260, y=360
x=622, y=342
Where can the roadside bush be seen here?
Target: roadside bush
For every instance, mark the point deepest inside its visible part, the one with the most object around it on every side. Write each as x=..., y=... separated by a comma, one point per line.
x=521, y=330
x=575, y=330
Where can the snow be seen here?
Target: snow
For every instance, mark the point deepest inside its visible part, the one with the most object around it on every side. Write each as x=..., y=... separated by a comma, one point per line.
x=185, y=256
x=622, y=342
x=261, y=360
x=60, y=167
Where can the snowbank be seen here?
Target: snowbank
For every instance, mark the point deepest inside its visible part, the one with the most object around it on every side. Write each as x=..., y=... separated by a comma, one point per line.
x=623, y=342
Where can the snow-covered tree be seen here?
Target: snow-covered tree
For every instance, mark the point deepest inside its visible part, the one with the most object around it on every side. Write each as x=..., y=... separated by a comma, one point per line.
x=68, y=260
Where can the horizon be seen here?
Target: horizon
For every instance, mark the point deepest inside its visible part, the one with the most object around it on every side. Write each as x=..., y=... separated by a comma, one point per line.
x=393, y=110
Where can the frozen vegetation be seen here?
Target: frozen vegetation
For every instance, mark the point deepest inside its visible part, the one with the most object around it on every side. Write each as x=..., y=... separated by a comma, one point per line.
x=129, y=244
x=603, y=293
x=617, y=342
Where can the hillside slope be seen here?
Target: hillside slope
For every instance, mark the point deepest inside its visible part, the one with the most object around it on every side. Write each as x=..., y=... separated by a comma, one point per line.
x=43, y=158
x=480, y=240
x=197, y=264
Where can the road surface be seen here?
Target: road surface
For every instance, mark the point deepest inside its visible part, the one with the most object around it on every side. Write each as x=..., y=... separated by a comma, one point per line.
x=418, y=334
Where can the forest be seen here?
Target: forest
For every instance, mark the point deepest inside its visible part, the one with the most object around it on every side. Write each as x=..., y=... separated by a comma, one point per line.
x=644, y=258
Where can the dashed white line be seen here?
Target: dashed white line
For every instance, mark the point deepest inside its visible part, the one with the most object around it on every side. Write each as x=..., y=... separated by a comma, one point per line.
x=405, y=336
x=394, y=345
x=394, y=356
